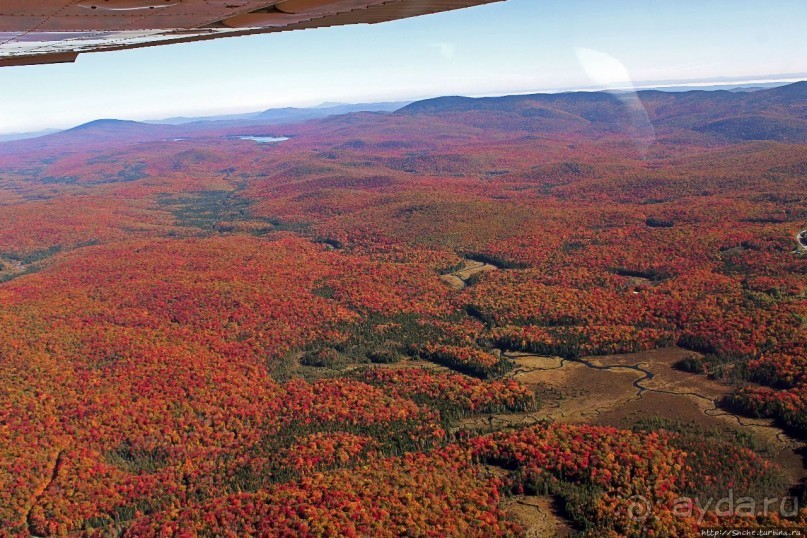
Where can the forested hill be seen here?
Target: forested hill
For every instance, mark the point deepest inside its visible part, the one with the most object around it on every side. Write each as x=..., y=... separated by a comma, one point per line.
x=773, y=114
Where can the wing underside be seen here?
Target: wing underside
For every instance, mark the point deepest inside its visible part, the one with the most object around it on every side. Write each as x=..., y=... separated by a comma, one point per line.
x=56, y=31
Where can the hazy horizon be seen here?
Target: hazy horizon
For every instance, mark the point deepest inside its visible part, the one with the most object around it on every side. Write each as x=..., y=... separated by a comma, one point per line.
x=214, y=114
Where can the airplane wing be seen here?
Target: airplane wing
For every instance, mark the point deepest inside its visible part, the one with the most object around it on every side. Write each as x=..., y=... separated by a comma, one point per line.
x=57, y=31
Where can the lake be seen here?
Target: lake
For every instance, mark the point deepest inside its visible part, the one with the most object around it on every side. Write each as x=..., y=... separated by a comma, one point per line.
x=264, y=139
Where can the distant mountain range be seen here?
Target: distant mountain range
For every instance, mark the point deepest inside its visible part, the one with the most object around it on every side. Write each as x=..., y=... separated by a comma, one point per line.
x=778, y=114
x=291, y=114
x=270, y=116
x=22, y=136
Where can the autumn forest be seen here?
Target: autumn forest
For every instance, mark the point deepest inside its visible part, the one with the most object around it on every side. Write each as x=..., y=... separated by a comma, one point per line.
x=546, y=315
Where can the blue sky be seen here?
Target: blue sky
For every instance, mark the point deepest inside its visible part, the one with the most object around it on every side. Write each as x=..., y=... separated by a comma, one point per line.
x=507, y=47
